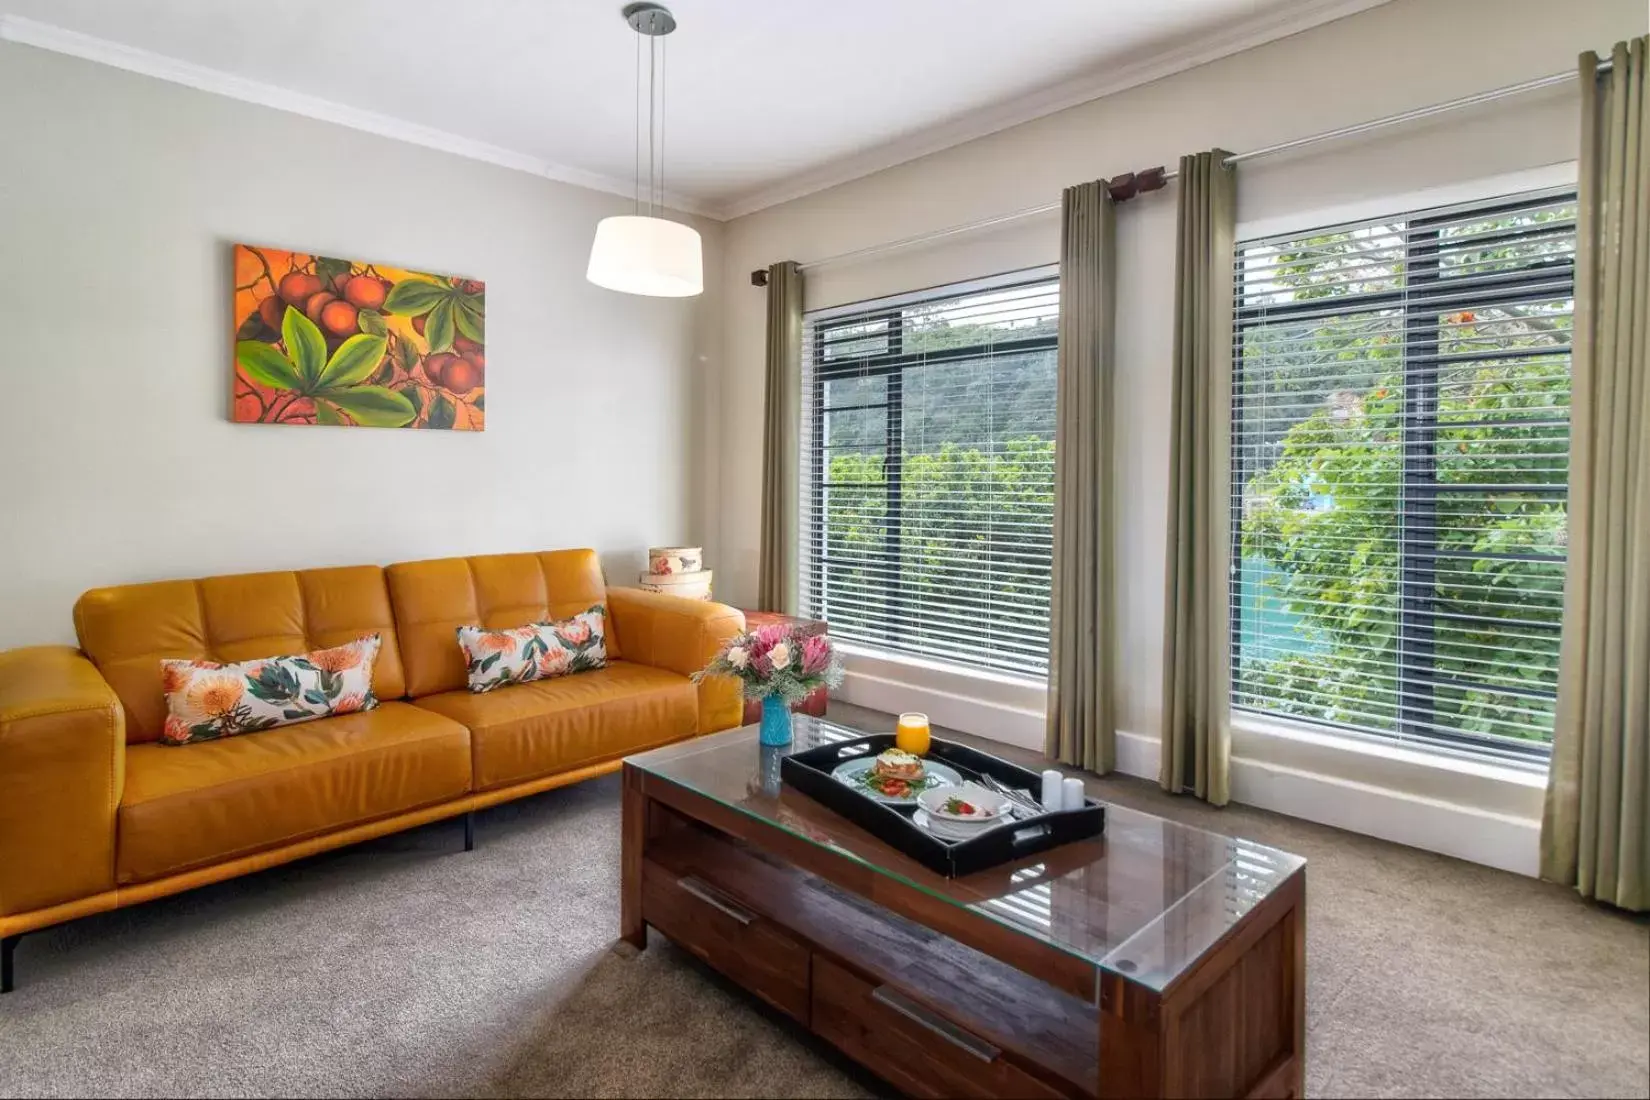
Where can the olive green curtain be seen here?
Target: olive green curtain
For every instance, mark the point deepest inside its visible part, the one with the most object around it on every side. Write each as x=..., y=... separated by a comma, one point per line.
x=776, y=583
x=1595, y=832
x=1197, y=734
x=1081, y=727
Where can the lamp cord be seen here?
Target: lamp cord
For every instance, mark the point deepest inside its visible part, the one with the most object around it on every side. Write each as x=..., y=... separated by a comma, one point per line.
x=636, y=144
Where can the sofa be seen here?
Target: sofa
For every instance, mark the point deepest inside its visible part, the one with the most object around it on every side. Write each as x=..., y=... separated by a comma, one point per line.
x=96, y=813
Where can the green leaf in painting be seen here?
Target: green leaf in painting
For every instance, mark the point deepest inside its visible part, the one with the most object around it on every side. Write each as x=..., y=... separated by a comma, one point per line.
x=441, y=412
x=266, y=366
x=405, y=354
x=373, y=406
x=305, y=346
x=438, y=326
x=355, y=359
x=326, y=412
x=415, y=296
x=480, y=402
x=469, y=321
x=330, y=269
x=253, y=328
x=371, y=322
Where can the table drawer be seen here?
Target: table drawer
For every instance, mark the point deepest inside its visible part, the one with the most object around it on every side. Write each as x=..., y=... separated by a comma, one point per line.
x=910, y=1045
x=725, y=933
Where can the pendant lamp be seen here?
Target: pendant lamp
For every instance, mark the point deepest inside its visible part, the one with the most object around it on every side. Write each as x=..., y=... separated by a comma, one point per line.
x=646, y=253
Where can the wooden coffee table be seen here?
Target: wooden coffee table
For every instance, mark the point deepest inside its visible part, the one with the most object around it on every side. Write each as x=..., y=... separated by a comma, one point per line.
x=1155, y=960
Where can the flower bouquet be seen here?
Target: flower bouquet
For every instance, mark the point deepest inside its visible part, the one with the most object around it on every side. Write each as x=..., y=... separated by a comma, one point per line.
x=780, y=666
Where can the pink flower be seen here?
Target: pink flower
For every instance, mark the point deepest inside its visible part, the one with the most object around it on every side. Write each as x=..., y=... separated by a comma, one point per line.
x=349, y=704
x=575, y=633
x=772, y=635
x=816, y=655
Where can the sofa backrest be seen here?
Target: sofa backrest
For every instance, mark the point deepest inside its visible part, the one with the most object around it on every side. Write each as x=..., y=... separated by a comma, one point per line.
x=127, y=630
x=432, y=599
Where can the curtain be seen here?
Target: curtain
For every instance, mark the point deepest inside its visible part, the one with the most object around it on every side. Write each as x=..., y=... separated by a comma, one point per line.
x=1081, y=728
x=776, y=582
x=1196, y=747
x=1595, y=831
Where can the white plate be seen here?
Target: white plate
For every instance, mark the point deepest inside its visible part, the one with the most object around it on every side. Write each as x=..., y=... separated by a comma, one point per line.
x=954, y=830
x=935, y=774
x=993, y=807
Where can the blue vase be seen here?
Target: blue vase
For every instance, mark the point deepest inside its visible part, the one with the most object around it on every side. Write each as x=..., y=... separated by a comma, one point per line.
x=776, y=721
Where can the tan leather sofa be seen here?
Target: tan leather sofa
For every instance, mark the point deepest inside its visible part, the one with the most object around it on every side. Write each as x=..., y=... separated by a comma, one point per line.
x=96, y=814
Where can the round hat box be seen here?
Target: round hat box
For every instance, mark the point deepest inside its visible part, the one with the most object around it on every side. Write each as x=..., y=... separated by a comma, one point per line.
x=693, y=586
x=675, y=560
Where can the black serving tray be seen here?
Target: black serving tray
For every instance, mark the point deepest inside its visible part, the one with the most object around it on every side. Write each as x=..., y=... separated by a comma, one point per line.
x=809, y=771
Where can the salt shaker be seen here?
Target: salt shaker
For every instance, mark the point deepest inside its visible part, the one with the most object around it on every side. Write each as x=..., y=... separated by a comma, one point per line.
x=1071, y=797
x=1053, y=798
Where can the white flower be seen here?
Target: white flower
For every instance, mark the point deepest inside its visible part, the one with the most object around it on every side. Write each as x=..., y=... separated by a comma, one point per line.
x=780, y=655
x=739, y=657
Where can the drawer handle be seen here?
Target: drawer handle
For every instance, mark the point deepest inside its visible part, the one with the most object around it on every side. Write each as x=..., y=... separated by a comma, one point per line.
x=705, y=894
x=945, y=1029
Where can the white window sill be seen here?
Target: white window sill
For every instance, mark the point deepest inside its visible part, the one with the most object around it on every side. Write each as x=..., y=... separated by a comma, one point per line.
x=1253, y=731
x=927, y=666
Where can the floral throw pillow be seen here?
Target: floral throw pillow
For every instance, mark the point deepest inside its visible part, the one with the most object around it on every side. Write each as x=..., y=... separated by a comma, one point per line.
x=206, y=700
x=537, y=651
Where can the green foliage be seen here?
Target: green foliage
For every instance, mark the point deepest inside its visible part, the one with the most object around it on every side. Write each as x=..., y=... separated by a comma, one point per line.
x=975, y=526
x=1324, y=500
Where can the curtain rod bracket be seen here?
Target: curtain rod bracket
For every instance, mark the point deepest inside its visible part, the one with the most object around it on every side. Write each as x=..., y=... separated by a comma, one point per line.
x=759, y=277
x=1129, y=184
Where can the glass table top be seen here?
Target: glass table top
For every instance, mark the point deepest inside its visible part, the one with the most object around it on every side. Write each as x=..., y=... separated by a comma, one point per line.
x=1145, y=899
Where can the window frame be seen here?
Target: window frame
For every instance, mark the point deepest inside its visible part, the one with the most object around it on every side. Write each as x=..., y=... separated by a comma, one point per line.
x=891, y=363
x=1420, y=491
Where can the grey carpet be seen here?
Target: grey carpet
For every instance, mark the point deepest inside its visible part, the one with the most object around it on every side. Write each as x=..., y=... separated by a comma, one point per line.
x=407, y=967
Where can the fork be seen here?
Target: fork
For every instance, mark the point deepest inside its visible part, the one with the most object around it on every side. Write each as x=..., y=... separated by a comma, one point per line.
x=1021, y=799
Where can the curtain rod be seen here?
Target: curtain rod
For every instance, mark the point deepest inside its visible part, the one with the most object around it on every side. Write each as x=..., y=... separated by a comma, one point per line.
x=1151, y=179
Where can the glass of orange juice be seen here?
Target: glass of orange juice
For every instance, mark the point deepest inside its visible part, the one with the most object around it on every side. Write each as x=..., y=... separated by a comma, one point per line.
x=911, y=734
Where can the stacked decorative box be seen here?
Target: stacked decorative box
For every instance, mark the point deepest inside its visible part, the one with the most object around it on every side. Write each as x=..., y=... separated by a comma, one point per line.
x=677, y=571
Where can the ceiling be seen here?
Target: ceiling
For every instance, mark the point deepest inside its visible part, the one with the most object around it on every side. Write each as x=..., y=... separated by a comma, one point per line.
x=767, y=99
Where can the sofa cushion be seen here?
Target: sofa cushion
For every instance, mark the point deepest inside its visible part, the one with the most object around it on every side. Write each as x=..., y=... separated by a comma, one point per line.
x=206, y=700
x=526, y=731
x=129, y=629
x=496, y=592
x=537, y=651
x=213, y=801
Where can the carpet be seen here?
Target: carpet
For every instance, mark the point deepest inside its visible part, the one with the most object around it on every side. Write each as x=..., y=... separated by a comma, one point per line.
x=405, y=966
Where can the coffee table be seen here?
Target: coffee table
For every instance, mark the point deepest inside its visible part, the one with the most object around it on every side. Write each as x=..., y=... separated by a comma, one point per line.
x=1154, y=960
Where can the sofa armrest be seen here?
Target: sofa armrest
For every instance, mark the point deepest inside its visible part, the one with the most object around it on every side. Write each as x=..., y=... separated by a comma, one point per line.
x=62, y=770
x=681, y=635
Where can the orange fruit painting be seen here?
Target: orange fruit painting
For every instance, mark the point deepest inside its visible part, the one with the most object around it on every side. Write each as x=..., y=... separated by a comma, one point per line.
x=326, y=341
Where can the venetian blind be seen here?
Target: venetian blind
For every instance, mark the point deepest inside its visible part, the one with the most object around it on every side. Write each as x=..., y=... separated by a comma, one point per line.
x=927, y=491
x=1400, y=464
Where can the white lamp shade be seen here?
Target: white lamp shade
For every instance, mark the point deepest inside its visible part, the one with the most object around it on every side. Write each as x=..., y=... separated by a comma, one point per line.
x=651, y=256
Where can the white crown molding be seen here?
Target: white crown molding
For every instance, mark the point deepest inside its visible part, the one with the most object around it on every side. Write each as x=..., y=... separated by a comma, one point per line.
x=44, y=36
x=1277, y=23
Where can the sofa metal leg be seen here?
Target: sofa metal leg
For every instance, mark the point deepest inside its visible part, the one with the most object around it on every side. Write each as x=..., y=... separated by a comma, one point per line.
x=8, y=948
x=470, y=831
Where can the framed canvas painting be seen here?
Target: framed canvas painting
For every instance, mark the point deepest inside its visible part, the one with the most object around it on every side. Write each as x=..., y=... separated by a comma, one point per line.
x=320, y=340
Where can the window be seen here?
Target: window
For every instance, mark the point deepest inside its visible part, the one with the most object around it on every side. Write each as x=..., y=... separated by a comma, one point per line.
x=928, y=471
x=1400, y=458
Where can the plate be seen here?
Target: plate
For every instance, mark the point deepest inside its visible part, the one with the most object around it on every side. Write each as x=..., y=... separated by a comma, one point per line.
x=990, y=806
x=853, y=773
x=955, y=830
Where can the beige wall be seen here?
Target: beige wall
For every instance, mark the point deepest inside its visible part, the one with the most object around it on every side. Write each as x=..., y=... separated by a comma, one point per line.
x=119, y=198
x=1402, y=55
